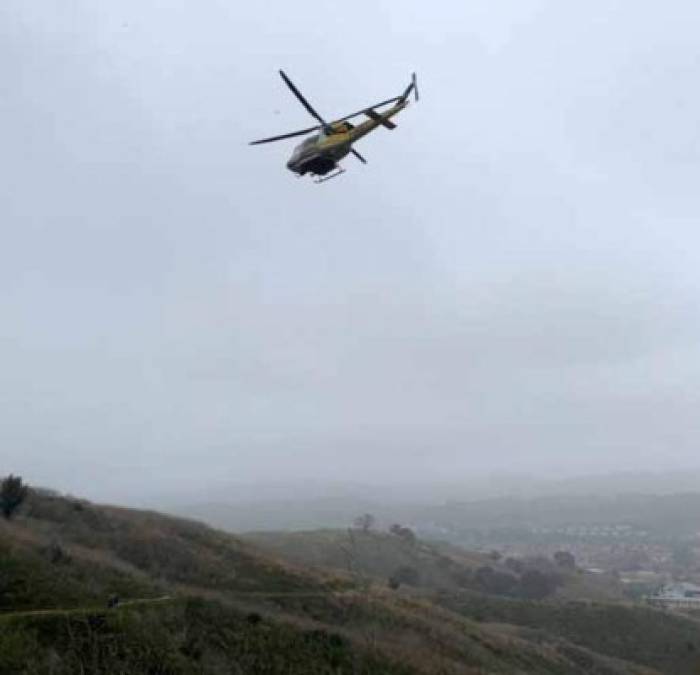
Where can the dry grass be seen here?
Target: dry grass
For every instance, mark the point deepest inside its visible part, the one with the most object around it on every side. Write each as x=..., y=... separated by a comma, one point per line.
x=145, y=554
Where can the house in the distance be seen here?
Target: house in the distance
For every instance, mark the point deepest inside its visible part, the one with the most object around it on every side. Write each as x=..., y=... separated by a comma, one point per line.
x=678, y=595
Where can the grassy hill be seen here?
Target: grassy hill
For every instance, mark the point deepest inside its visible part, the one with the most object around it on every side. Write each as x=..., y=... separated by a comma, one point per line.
x=573, y=611
x=180, y=636
x=377, y=555
x=668, y=642
x=195, y=600
x=383, y=556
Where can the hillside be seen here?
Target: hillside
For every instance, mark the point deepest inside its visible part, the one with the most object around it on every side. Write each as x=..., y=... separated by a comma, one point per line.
x=578, y=609
x=379, y=555
x=195, y=600
x=667, y=642
x=385, y=557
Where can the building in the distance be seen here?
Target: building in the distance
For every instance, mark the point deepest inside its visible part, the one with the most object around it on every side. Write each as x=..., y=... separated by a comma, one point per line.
x=678, y=595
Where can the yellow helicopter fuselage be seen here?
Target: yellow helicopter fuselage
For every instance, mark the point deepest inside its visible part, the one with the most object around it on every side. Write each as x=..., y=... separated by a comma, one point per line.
x=320, y=153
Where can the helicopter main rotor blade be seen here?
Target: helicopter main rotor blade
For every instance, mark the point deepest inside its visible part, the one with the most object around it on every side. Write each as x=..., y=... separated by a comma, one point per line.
x=362, y=112
x=302, y=100
x=358, y=155
x=292, y=134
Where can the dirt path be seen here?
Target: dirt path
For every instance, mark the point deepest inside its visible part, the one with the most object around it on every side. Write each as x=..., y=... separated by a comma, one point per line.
x=86, y=610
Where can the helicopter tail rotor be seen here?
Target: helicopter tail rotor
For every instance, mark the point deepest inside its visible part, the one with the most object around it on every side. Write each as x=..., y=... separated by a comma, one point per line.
x=412, y=87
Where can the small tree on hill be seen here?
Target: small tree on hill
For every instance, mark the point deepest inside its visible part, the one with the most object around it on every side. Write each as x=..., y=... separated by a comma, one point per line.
x=536, y=585
x=365, y=522
x=12, y=493
x=565, y=559
x=515, y=565
x=404, y=533
x=491, y=581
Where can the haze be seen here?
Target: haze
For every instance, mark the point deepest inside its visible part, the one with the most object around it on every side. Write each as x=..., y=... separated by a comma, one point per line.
x=511, y=284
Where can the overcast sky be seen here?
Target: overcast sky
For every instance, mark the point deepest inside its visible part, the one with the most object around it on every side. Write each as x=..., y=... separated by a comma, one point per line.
x=511, y=283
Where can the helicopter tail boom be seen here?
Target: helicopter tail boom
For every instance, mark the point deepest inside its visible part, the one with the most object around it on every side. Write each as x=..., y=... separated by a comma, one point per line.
x=374, y=115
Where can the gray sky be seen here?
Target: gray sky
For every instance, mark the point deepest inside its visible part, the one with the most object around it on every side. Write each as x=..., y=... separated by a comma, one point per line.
x=511, y=283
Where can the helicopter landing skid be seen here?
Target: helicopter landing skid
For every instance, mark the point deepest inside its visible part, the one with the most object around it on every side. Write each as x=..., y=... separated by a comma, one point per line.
x=333, y=175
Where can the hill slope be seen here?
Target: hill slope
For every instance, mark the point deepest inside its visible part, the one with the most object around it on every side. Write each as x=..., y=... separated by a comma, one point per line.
x=375, y=554
x=201, y=601
x=452, y=579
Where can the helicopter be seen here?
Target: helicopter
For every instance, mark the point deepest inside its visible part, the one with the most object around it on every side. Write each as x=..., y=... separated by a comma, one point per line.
x=319, y=154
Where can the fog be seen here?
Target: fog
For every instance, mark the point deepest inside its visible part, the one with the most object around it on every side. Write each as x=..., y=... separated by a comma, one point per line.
x=511, y=284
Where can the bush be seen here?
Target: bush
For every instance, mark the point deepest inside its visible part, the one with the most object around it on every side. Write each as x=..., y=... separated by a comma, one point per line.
x=404, y=533
x=565, y=559
x=404, y=575
x=535, y=585
x=12, y=493
x=365, y=522
x=515, y=565
x=490, y=581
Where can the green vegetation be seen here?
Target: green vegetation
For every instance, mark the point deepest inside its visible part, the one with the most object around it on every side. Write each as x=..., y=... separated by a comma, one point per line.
x=381, y=556
x=195, y=600
x=509, y=592
x=398, y=558
x=667, y=642
x=31, y=577
x=172, y=550
x=12, y=493
x=183, y=637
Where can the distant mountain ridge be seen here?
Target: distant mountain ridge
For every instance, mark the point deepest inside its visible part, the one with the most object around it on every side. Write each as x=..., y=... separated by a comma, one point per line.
x=469, y=488
x=640, y=499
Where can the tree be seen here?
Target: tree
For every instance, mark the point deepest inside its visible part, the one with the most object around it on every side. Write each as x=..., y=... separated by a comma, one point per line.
x=12, y=493
x=352, y=553
x=536, y=585
x=515, y=565
x=365, y=522
x=565, y=559
x=491, y=581
x=404, y=533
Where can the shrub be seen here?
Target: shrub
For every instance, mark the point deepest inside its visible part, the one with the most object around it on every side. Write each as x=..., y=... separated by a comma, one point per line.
x=404, y=575
x=565, y=559
x=515, y=565
x=536, y=585
x=404, y=533
x=12, y=493
x=365, y=522
x=490, y=581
